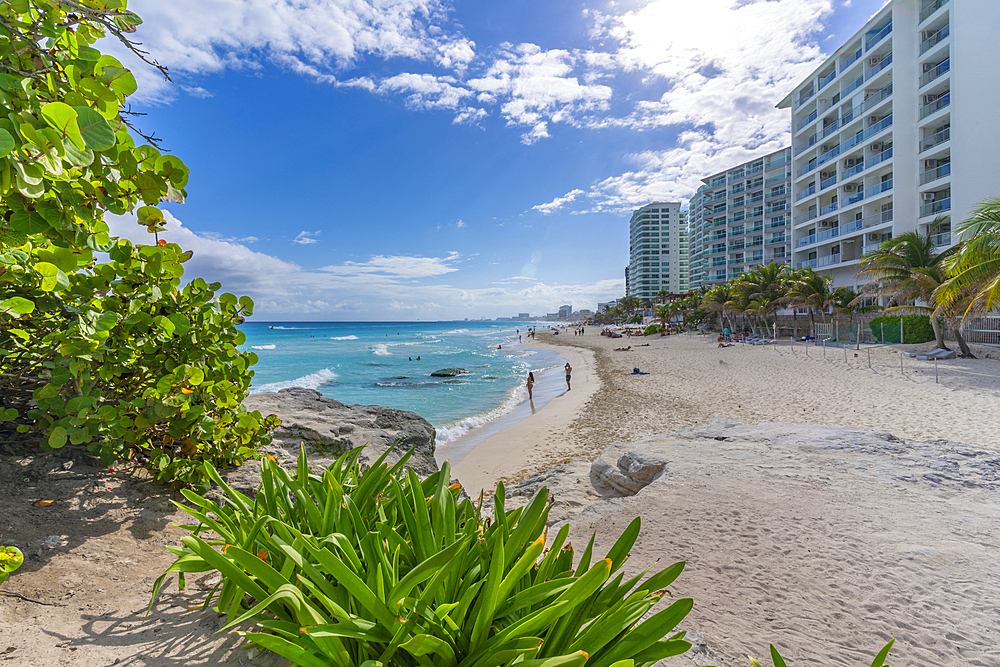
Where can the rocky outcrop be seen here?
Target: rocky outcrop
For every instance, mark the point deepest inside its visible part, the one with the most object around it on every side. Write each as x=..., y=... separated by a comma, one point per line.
x=328, y=428
x=448, y=372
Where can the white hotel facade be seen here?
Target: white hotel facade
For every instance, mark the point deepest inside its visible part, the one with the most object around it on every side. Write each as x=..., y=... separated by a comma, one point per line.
x=898, y=127
x=658, y=257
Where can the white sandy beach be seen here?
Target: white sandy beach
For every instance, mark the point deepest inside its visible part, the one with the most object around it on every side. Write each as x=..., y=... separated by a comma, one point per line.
x=827, y=555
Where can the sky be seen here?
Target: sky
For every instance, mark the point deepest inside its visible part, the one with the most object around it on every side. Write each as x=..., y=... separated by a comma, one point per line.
x=370, y=160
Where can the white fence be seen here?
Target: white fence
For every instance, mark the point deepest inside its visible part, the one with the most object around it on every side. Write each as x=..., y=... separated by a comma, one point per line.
x=982, y=330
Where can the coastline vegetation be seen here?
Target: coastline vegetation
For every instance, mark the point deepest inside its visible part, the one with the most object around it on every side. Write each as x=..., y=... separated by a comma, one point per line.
x=114, y=354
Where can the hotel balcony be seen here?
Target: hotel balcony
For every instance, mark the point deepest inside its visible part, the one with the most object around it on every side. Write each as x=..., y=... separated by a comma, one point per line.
x=875, y=37
x=931, y=175
x=935, y=207
x=930, y=8
x=936, y=139
x=940, y=69
x=935, y=106
x=934, y=39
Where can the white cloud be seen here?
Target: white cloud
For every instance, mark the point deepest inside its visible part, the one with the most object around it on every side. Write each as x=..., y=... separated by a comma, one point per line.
x=306, y=238
x=401, y=285
x=558, y=202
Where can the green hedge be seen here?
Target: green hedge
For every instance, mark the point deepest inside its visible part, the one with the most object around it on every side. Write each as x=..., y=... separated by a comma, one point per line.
x=916, y=328
x=651, y=329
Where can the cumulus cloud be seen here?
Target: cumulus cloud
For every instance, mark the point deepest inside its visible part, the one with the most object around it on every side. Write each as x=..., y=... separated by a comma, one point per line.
x=403, y=285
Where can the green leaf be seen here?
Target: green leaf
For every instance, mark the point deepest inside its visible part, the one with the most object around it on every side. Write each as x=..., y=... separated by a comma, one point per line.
x=28, y=222
x=164, y=324
x=96, y=133
x=171, y=168
x=50, y=275
x=195, y=375
x=10, y=414
x=7, y=143
x=57, y=438
x=62, y=117
x=16, y=305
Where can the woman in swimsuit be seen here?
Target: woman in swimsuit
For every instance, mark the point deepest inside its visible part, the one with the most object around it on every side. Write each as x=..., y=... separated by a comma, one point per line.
x=530, y=383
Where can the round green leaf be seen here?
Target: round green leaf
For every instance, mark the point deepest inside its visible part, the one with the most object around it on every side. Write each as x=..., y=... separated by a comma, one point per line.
x=57, y=438
x=96, y=133
x=17, y=306
x=6, y=142
x=195, y=375
x=10, y=414
x=62, y=117
x=50, y=275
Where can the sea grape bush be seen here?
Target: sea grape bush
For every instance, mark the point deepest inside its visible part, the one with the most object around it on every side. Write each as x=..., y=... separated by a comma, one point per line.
x=118, y=355
x=778, y=661
x=11, y=558
x=381, y=568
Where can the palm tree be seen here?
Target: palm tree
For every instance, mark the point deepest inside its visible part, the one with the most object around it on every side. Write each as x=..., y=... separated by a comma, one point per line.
x=767, y=284
x=715, y=299
x=812, y=290
x=628, y=305
x=663, y=313
x=973, y=285
x=908, y=269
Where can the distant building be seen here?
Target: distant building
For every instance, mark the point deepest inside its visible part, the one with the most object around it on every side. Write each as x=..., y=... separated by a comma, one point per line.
x=552, y=316
x=741, y=218
x=565, y=312
x=655, y=244
x=628, y=285
x=523, y=316
x=601, y=307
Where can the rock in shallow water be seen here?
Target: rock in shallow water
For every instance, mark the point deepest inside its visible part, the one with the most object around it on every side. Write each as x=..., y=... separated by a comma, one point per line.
x=328, y=428
x=448, y=372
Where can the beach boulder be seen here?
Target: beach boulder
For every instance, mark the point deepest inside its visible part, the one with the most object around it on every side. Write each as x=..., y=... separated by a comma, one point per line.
x=448, y=372
x=328, y=428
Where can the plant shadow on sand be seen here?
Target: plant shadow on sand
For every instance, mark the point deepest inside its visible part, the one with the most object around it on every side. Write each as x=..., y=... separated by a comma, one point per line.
x=90, y=560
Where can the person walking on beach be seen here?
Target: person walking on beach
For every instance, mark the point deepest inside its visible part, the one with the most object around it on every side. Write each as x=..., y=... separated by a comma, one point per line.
x=569, y=372
x=530, y=383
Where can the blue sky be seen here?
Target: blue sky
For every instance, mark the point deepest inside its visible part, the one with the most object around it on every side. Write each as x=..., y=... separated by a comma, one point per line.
x=427, y=159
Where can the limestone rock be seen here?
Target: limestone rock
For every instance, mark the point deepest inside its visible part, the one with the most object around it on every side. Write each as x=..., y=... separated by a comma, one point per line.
x=328, y=428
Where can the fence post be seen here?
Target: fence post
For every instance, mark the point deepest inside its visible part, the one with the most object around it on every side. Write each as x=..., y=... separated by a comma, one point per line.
x=824, y=348
x=902, y=338
x=901, y=360
x=845, y=354
x=882, y=324
x=935, y=371
x=869, y=357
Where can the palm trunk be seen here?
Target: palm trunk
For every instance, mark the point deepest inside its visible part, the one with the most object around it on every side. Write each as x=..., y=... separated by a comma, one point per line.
x=938, y=332
x=966, y=352
x=812, y=323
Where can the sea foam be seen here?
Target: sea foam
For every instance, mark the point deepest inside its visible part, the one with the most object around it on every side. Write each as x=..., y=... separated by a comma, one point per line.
x=381, y=350
x=457, y=429
x=311, y=381
x=343, y=338
x=263, y=347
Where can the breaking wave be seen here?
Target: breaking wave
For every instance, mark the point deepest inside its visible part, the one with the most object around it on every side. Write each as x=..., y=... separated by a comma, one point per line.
x=311, y=381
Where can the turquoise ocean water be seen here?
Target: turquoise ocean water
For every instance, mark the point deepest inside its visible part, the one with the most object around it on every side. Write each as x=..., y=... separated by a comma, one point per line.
x=376, y=363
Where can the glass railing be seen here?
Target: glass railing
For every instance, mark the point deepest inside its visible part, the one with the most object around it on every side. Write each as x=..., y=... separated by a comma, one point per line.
x=879, y=126
x=828, y=234
x=808, y=264
x=879, y=189
x=737, y=246
x=851, y=59
x=829, y=208
x=736, y=175
x=854, y=199
x=771, y=165
x=827, y=79
x=811, y=190
x=736, y=231
x=878, y=219
x=930, y=9
x=882, y=64
x=944, y=238
x=831, y=128
x=872, y=40
x=754, y=170
x=775, y=209
x=852, y=226
x=935, y=39
x=852, y=86
x=828, y=260
x=805, y=217
x=809, y=167
x=830, y=154
x=808, y=119
x=759, y=227
x=941, y=68
x=777, y=192
x=828, y=182
x=881, y=157
x=876, y=98
x=804, y=97
x=870, y=248
x=935, y=106
x=807, y=144
x=856, y=169
x=775, y=225
x=936, y=207
x=934, y=174
x=780, y=238
x=755, y=242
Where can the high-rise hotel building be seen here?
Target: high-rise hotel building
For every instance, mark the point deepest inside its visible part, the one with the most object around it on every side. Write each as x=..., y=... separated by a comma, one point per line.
x=740, y=218
x=657, y=250
x=894, y=130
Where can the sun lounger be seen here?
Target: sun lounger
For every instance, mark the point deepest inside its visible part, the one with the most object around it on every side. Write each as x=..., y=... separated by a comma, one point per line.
x=937, y=353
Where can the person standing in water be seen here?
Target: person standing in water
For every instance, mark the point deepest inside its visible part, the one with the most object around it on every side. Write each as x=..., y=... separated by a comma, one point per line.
x=569, y=372
x=530, y=383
